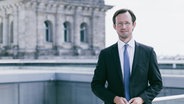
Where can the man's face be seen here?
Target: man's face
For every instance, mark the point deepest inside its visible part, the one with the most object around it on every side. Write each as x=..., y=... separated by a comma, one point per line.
x=124, y=26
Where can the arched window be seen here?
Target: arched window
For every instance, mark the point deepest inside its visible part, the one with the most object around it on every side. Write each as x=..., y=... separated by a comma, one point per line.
x=67, y=32
x=48, y=31
x=83, y=33
x=1, y=32
x=11, y=32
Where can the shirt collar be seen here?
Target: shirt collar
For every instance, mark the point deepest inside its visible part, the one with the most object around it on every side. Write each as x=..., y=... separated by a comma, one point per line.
x=131, y=43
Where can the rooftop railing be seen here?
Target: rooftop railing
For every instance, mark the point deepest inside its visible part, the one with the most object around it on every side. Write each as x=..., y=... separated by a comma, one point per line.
x=174, y=99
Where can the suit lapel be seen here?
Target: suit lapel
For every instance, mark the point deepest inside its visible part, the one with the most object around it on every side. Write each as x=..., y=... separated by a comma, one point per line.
x=136, y=57
x=116, y=61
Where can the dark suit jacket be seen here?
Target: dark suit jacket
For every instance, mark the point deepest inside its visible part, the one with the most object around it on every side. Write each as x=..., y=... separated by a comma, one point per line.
x=145, y=81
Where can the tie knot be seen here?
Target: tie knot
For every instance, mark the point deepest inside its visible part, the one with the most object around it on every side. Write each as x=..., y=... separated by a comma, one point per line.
x=126, y=45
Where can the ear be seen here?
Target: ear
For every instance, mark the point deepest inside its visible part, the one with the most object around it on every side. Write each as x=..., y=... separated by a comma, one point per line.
x=134, y=24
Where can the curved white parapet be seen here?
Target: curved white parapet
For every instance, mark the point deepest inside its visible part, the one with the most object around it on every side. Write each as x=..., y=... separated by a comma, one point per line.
x=14, y=76
x=67, y=74
x=169, y=98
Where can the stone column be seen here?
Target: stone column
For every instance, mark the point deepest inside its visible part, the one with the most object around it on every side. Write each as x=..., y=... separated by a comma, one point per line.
x=60, y=27
x=76, y=28
x=5, y=30
x=15, y=32
x=98, y=28
x=15, y=26
x=77, y=21
x=95, y=25
x=40, y=27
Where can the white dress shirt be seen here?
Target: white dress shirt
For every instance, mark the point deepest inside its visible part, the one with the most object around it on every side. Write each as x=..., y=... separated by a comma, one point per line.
x=130, y=49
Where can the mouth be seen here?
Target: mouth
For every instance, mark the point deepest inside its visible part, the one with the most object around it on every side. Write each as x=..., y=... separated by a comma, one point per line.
x=123, y=31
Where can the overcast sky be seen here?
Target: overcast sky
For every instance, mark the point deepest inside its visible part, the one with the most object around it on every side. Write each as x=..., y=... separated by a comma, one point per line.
x=160, y=24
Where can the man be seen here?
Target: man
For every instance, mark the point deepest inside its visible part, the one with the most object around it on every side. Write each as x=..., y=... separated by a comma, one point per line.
x=127, y=72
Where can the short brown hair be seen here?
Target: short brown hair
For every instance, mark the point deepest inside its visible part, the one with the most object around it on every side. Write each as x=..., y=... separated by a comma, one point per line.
x=123, y=11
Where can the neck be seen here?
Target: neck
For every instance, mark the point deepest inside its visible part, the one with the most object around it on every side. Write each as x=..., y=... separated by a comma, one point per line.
x=125, y=40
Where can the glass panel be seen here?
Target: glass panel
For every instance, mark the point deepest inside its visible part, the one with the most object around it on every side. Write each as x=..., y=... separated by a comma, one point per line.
x=48, y=31
x=67, y=35
x=1, y=32
x=83, y=33
x=11, y=32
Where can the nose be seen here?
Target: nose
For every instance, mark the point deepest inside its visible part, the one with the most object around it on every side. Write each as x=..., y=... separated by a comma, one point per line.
x=123, y=26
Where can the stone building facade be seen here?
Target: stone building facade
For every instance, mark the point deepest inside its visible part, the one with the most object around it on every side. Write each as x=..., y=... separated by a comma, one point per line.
x=52, y=28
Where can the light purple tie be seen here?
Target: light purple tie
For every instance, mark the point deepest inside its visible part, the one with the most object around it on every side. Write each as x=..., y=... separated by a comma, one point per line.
x=126, y=73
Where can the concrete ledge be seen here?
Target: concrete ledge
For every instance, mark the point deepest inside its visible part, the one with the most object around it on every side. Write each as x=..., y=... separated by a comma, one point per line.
x=70, y=74
x=44, y=62
x=14, y=76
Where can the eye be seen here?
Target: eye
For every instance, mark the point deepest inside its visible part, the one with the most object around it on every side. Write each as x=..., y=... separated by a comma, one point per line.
x=120, y=24
x=123, y=24
x=127, y=23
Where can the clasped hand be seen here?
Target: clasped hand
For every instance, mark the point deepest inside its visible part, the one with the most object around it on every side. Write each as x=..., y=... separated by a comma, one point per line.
x=122, y=100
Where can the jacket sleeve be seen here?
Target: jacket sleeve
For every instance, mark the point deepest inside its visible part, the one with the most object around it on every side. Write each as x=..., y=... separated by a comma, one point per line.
x=155, y=80
x=99, y=80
